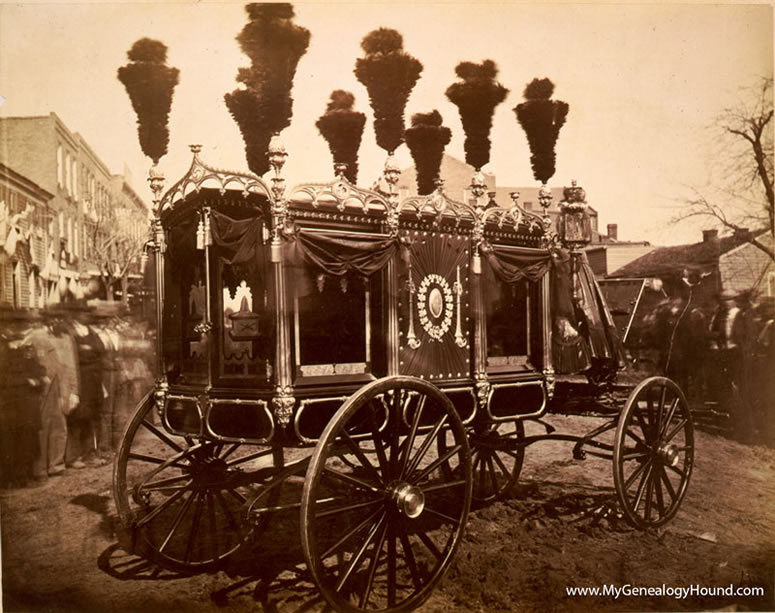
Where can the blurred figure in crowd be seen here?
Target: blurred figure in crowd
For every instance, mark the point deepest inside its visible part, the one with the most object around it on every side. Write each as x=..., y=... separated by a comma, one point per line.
x=763, y=379
x=22, y=381
x=104, y=324
x=56, y=353
x=83, y=422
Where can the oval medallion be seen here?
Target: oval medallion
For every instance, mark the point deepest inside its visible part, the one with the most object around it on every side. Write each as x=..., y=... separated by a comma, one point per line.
x=435, y=302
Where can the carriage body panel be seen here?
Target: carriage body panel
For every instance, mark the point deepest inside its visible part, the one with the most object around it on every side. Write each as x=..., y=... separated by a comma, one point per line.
x=275, y=307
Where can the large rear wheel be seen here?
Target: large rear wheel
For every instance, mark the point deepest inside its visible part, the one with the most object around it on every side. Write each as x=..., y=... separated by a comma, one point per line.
x=380, y=519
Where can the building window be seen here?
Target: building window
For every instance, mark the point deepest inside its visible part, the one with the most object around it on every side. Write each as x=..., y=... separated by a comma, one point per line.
x=68, y=178
x=75, y=179
x=75, y=240
x=60, y=167
x=771, y=283
x=17, y=284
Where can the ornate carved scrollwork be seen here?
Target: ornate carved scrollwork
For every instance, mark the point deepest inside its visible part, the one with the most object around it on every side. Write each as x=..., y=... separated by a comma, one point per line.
x=282, y=405
x=457, y=289
x=483, y=387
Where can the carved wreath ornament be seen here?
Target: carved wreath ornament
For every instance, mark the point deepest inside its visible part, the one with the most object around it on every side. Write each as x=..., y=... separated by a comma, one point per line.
x=435, y=305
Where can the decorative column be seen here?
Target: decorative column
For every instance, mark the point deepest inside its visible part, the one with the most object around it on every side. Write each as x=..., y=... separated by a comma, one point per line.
x=283, y=400
x=391, y=175
x=157, y=244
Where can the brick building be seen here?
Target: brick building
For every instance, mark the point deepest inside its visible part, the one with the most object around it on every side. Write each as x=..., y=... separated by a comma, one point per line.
x=25, y=215
x=89, y=204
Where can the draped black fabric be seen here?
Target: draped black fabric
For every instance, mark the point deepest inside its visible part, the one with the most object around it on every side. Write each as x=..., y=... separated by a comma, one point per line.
x=239, y=238
x=511, y=266
x=584, y=337
x=597, y=324
x=239, y=243
x=338, y=254
x=570, y=352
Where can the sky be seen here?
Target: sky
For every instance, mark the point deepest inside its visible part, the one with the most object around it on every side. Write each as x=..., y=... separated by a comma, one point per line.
x=644, y=83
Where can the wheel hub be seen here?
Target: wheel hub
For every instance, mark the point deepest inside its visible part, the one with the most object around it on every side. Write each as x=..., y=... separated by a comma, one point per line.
x=668, y=453
x=409, y=499
x=209, y=472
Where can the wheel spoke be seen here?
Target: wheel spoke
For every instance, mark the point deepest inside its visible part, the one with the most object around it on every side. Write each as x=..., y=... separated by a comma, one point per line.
x=410, y=438
x=355, y=562
x=344, y=508
x=178, y=518
x=649, y=492
x=425, y=446
x=441, y=486
x=226, y=511
x=634, y=475
x=231, y=450
x=162, y=436
x=170, y=501
x=441, y=515
x=668, y=485
x=626, y=457
x=641, y=486
x=429, y=544
x=247, y=458
x=152, y=459
x=680, y=473
x=213, y=522
x=635, y=437
x=379, y=449
x=643, y=426
x=236, y=495
x=373, y=564
x=391, y=564
x=658, y=490
x=493, y=476
x=506, y=472
x=349, y=479
x=410, y=561
x=194, y=528
x=669, y=437
x=164, y=484
x=434, y=465
x=349, y=534
x=669, y=417
x=362, y=458
x=662, y=398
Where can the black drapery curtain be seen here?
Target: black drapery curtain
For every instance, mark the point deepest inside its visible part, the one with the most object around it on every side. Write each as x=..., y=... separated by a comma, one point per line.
x=511, y=266
x=240, y=246
x=339, y=254
x=597, y=324
x=583, y=333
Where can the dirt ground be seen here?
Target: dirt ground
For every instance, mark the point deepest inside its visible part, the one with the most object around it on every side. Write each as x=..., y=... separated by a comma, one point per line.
x=62, y=549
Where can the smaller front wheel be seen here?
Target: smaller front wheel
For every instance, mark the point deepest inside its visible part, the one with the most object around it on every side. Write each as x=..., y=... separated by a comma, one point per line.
x=183, y=498
x=653, y=452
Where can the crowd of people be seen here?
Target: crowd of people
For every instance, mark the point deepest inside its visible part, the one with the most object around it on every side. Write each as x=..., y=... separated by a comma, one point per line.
x=71, y=379
x=723, y=358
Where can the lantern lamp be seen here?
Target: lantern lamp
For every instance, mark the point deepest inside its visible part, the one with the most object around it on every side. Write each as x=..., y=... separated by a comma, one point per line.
x=574, y=225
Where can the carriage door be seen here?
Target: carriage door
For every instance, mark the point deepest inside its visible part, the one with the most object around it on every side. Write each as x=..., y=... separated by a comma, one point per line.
x=434, y=306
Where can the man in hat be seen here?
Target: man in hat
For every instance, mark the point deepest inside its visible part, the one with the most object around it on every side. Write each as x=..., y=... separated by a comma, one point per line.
x=56, y=353
x=21, y=384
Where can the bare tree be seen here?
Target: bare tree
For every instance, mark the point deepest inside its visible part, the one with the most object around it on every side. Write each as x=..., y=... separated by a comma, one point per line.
x=744, y=198
x=113, y=253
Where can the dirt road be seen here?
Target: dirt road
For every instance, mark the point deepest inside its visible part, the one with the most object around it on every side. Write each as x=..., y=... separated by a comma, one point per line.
x=62, y=551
